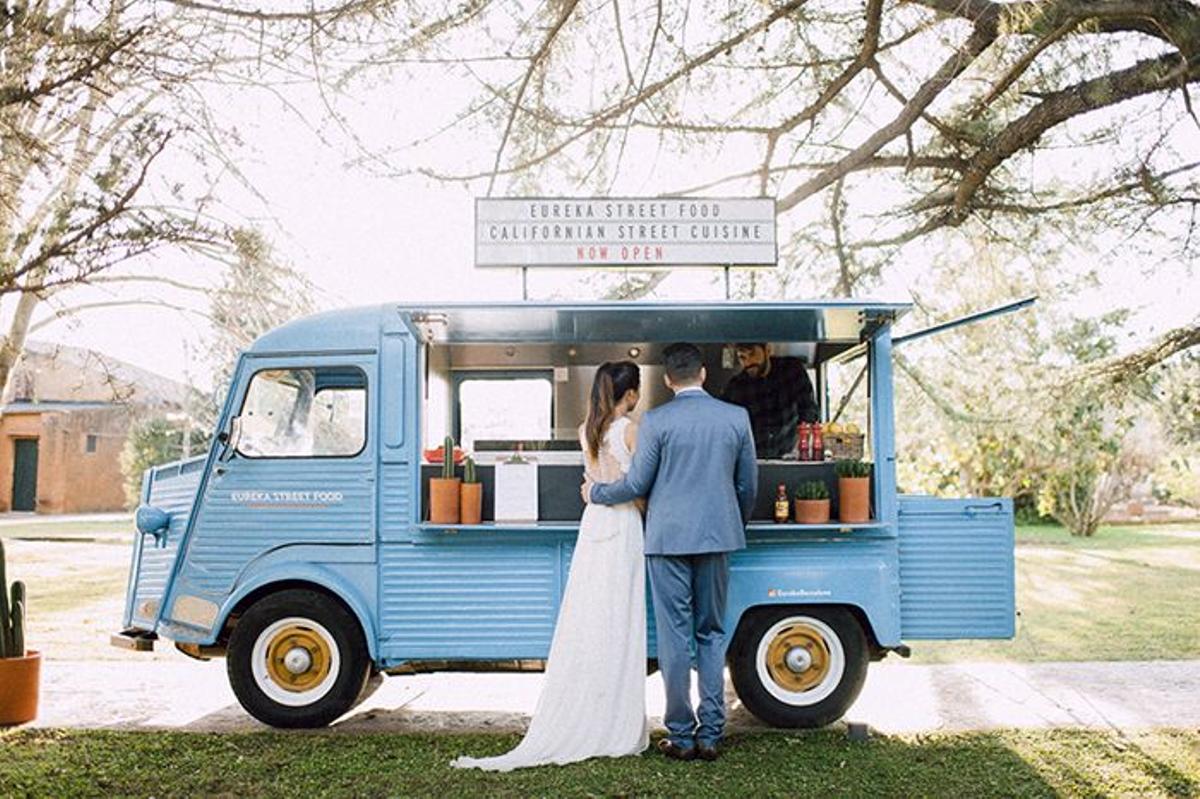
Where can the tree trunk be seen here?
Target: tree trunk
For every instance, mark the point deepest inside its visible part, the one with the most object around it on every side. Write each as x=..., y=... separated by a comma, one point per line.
x=14, y=343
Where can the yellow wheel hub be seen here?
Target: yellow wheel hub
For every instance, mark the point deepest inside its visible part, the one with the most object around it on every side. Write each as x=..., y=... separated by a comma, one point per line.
x=798, y=658
x=298, y=658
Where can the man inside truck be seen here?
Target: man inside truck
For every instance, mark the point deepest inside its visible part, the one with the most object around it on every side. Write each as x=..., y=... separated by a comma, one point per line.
x=777, y=393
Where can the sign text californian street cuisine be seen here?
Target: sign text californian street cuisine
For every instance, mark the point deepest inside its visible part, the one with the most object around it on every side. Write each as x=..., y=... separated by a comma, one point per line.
x=619, y=232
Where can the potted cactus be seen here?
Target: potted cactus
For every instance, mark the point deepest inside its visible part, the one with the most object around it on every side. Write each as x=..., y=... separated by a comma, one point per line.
x=854, y=490
x=20, y=669
x=471, y=494
x=443, y=491
x=812, y=503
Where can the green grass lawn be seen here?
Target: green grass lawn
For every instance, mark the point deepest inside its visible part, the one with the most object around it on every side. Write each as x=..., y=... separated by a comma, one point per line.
x=1111, y=536
x=51, y=529
x=1128, y=593
x=1048, y=763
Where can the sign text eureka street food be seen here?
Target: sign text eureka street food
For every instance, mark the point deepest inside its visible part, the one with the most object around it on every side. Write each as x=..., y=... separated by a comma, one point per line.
x=629, y=231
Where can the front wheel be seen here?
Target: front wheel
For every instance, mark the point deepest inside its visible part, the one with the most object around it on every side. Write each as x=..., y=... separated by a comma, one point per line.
x=297, y=658
x=799, y=667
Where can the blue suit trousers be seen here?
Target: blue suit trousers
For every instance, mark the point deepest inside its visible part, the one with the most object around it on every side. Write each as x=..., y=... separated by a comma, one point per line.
x=689, y=593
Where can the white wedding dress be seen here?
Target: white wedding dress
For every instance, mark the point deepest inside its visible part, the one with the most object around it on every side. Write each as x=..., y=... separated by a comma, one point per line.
x=593, y=700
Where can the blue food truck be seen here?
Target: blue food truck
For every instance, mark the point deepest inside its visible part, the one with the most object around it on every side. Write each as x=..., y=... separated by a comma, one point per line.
x=299, y=546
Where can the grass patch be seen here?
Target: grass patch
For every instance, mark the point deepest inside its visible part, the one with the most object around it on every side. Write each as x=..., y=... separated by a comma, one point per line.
x=51, y=530
x=825, y=763
x=1111, y=536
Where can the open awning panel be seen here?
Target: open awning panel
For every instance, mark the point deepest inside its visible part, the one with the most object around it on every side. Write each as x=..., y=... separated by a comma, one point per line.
x=618, y=322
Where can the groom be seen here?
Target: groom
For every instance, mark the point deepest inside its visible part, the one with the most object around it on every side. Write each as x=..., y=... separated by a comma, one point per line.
x=695, y=461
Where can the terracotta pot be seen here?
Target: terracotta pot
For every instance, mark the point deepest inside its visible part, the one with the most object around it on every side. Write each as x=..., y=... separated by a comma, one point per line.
x=811, y=511
x=854, y=499
x=443, y=500
x=471, y=503
x=19, y=679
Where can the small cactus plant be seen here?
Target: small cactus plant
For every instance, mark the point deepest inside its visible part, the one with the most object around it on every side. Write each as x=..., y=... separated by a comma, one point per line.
x=12, y=615
x=813, y=489
x=469, y=474
x=852, y=468
x=448, y=458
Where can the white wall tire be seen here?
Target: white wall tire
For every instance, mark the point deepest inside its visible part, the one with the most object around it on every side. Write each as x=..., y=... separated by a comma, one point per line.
x=799, y=666
x=827, y=659
x=295, y=637
x=297, y=658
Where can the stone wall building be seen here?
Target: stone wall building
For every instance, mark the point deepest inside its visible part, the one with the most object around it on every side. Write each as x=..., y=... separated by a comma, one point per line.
x=63, y=424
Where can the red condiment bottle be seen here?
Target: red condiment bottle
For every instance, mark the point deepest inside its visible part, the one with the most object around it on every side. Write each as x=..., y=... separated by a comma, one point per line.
x=803, y=449
x=818, y=443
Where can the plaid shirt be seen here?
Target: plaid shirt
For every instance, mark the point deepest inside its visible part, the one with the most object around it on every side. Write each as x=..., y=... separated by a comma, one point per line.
x=777, y=403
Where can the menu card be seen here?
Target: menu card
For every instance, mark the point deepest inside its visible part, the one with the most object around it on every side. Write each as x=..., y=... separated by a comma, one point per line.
x=516, y=491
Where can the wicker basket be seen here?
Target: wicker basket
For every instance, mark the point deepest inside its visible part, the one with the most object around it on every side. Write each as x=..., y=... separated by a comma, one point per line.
x=844, y=446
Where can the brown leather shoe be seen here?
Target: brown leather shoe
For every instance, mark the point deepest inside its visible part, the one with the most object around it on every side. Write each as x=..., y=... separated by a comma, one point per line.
x=675, y=751
x=706, y=752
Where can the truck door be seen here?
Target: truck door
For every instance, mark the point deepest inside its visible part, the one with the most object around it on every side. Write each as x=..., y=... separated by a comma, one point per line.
x=956, y=568
x=956, y=555
x=296, y=469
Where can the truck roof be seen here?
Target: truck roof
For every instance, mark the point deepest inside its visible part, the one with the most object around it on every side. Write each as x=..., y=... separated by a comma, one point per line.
x=585, y=322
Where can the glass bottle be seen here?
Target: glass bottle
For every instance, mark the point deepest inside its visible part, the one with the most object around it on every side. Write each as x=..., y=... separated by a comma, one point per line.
x=782, y=508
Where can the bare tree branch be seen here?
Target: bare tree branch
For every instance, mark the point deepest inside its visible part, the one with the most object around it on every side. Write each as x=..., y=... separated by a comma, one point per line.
x=1144, y=77
x=982, y=35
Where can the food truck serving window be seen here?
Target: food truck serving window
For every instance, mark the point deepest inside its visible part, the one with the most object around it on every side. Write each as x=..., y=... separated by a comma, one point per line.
x=304, y=413
x=505, y=406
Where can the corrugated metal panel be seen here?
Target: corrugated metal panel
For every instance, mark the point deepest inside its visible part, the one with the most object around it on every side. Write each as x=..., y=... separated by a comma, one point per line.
x=173, y=489
x=229, y=534
x=395, y=501
x=470, y=600
x=956, y=568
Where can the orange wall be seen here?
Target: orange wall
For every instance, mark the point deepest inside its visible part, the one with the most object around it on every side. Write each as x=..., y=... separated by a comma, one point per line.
x=70, y=479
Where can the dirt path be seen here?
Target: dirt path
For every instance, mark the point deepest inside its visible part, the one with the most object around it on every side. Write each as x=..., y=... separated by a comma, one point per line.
x=898, y=698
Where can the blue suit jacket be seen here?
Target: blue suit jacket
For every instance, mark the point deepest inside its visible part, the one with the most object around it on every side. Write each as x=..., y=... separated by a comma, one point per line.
x=695, y=462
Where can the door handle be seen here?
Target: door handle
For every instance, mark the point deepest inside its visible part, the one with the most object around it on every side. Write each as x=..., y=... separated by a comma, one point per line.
x=991, y=506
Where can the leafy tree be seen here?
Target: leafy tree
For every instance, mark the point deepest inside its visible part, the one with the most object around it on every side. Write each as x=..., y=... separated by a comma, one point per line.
x=257, y=293
x=153, y=441
x=1177, y=393
x=1091, y=463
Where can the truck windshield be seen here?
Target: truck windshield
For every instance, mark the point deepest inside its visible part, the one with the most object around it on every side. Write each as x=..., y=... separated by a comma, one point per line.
x=299, y=413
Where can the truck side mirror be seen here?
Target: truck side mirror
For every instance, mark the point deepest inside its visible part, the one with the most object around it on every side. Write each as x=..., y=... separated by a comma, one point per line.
x=229, y=440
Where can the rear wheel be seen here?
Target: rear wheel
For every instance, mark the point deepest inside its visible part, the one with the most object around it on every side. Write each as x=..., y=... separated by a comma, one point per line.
x=799, y=667
x=297, y=658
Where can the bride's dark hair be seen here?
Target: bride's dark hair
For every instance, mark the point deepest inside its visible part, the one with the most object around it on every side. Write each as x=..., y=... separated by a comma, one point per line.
x=613, y=379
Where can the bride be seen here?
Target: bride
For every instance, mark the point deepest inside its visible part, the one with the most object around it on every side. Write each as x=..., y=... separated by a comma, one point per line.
x=593, y=700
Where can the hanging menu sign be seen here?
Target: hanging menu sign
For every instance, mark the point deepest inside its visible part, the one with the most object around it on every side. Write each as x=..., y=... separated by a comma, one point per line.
x=625, y=232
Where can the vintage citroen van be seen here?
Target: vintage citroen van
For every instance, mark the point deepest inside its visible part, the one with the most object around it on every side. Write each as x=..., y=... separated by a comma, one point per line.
x=299, y=549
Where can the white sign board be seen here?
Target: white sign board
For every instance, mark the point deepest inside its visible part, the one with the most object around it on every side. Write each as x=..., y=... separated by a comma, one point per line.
x=516, y=489
x=625, y=231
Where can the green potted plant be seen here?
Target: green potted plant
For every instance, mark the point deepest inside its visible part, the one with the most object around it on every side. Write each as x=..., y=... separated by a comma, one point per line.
x=443, y=491
x=811, y=504
x=471, y=494
x=20, y=669
x=854, y=490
